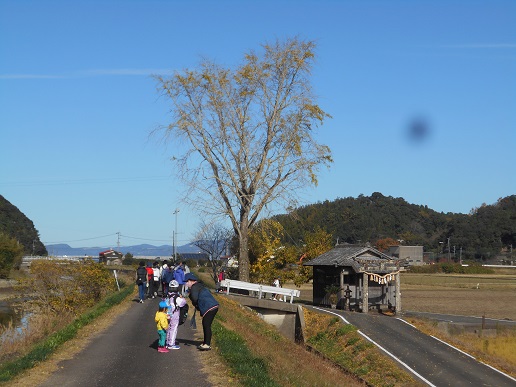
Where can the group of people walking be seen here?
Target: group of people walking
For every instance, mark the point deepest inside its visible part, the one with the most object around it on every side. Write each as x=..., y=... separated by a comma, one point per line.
x=153, y=276
x=176, y=284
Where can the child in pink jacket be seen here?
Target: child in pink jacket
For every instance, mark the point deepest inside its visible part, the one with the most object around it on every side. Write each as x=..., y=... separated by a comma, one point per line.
x=174, y=302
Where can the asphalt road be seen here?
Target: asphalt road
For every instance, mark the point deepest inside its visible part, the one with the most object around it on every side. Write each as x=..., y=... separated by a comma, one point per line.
x=126, y=355
x=428, y=359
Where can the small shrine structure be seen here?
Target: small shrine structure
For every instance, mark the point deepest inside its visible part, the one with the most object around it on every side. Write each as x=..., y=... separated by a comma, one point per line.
x=362, y=278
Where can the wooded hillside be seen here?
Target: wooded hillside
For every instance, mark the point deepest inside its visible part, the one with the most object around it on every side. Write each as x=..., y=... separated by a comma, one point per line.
x=486, y=232
x=16, y=225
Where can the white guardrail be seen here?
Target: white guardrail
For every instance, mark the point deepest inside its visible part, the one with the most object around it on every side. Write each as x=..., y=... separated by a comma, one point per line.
x=260, y=289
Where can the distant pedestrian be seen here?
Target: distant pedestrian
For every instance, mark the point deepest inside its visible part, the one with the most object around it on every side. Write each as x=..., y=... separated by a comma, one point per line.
x=277, y=283
x=155, y=279
x=205, y=303
x=167, y=275
x=174, y=302
x=221, y=277
x=141, y=280
x=162, y=267
x=150, y=279
x=162, y=326
x=179, y=276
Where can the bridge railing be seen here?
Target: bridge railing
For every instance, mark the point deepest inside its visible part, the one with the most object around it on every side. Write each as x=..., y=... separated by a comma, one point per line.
x=260, y=289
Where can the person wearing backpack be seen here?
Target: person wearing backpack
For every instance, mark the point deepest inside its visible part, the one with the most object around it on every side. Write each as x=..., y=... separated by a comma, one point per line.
x=162, y=269
x=206, y=304
x=141, y=280
x=174, y=302
x=166, y=276
x=179, y=276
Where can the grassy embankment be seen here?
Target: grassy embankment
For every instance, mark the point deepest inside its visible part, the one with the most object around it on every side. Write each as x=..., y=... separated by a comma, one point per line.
x=257, y=355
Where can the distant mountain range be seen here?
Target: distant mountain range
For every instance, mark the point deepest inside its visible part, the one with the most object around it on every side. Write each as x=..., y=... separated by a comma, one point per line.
x=137, y=250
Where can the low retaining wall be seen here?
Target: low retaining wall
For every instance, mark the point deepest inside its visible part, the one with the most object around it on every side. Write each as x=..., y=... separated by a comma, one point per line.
x=287, y=318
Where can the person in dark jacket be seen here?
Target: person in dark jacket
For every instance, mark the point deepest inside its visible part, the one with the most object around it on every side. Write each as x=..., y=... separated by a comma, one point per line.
x=205, y=303
x=141, y=280
x=179, y=276
x=166, y=277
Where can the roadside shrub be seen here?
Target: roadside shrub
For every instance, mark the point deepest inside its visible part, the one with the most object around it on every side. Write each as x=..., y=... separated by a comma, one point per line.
x=10, y=254
x=450, y=268
x=68, y=287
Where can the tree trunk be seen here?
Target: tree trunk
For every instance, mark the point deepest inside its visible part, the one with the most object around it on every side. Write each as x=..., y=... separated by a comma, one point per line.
x=243, y=251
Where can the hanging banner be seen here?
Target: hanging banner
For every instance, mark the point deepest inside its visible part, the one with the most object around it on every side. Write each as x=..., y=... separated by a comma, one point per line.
x=382, y=279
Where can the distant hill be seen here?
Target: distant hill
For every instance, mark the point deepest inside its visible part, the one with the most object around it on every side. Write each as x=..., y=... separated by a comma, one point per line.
x=14, y=223
x=484, y=233
x=487, y=231
x=137, y=250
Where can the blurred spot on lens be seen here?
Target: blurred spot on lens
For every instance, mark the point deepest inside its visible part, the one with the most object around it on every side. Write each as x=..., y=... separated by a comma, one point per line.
x=418, y=130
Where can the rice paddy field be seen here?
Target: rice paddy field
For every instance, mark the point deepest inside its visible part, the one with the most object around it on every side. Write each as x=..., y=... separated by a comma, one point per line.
x=489, y=295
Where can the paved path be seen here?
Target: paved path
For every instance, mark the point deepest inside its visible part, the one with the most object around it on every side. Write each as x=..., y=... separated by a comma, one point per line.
x=428, y=359
x=126, y=355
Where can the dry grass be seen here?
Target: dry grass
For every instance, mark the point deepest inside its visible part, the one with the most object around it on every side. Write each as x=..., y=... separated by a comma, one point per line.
x=40, y=323
x=496, y=351
x=17, y=341
x=343, y=345
x=288, y=364
x=69, y=350
x=495, y=296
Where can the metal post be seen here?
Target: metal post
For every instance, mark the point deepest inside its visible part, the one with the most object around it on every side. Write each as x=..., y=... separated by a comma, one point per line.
x=398, y=293
x=175, y=236
x=365, y=294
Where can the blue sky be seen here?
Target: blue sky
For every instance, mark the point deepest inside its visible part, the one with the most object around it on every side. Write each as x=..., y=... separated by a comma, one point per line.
x=77, y=104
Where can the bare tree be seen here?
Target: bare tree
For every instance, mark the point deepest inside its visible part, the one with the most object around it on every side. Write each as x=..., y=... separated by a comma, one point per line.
x=248, y=133
x=213, y=239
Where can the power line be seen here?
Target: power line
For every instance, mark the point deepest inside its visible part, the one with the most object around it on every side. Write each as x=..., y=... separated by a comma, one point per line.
x=109, y=235
x=146, y=239
x=79, y=240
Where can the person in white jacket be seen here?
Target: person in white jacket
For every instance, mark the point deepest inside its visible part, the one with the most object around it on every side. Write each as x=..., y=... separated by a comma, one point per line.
x=278, y=285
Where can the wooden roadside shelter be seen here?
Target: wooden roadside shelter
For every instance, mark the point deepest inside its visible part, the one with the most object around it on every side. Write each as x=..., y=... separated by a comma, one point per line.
x=366, y=277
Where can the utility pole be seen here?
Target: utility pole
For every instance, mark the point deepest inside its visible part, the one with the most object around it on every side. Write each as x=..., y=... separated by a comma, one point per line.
x=448, y=249
x=174, y=243
x=175, y=236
